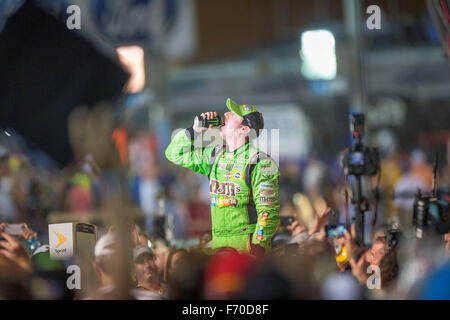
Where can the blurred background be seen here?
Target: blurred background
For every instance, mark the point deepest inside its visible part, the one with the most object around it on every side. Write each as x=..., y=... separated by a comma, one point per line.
x=130, y=72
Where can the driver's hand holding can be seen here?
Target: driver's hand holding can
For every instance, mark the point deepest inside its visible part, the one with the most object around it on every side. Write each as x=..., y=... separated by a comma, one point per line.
x=207, y=120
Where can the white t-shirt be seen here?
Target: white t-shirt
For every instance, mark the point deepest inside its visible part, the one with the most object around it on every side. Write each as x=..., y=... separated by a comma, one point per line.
x=408, y=184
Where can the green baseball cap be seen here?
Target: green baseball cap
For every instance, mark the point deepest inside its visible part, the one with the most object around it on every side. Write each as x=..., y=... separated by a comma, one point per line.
x=252, y=117
x=240, y=110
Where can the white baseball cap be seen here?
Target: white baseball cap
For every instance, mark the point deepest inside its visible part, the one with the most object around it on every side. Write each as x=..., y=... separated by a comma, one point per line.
x=141, y=250
x=105, y=245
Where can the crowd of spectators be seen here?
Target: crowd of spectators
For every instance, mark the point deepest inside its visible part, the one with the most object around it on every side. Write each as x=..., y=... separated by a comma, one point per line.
x=169, y=254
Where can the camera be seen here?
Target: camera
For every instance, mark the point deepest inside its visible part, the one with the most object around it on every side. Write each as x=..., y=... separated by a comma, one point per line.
x=333, y=217
x=362, y=163
x=286, y=221
x=335, y=231
x=333, y=228
x=360, y=160
x=393, y=238
x=431, y=215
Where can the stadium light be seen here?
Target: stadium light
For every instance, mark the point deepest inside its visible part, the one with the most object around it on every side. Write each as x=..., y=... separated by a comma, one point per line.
x=318, y=55
x=132, y=58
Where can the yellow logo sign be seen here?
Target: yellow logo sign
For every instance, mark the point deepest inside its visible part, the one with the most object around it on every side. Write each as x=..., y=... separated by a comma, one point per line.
x=237, y=175
x=61, y=239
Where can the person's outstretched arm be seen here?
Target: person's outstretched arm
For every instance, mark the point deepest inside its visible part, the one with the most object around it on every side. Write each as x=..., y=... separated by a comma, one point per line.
x=183, y=152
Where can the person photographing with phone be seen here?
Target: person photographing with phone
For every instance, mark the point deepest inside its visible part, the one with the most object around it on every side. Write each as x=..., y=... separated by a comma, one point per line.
x=12, y=250
x=243, y=180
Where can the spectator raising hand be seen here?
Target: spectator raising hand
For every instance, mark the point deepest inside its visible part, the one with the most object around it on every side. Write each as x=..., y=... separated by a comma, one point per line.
x=3, y=226
x=296, y=228
x=319, y=224
x=358, y=266
x=28, y=233
x=11, y=248
x=447, y=242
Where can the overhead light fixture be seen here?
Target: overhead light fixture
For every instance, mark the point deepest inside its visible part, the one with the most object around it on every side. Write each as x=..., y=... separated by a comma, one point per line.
x=318, y=55
x=132, y=58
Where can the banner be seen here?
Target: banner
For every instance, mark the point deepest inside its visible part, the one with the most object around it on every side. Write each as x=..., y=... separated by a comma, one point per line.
x=152, y=24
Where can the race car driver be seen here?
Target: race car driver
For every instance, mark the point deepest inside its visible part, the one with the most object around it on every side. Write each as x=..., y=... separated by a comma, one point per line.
x=243, y=180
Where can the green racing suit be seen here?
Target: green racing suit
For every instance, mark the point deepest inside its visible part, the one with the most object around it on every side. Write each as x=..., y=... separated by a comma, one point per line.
x=243, y=190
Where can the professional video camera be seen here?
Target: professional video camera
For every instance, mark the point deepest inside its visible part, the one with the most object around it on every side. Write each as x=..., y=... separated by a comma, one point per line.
x=360, y=160
x=431, y=214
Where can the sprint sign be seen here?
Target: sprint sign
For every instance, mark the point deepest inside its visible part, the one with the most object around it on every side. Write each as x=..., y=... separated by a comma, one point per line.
x=60, y=239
